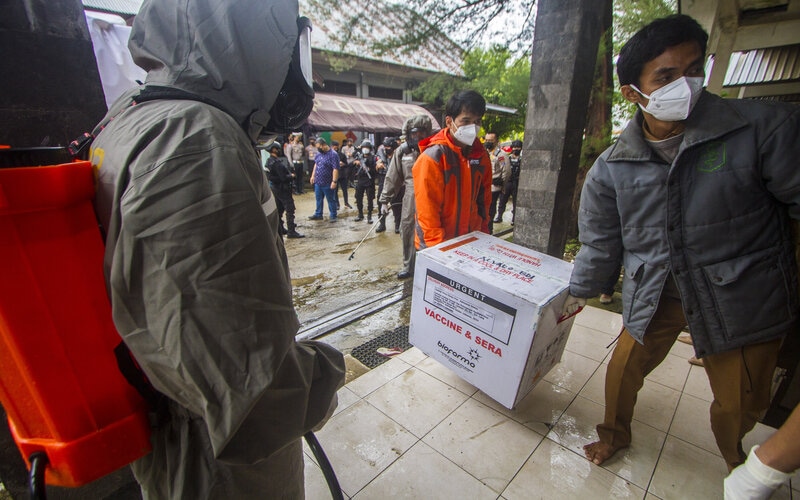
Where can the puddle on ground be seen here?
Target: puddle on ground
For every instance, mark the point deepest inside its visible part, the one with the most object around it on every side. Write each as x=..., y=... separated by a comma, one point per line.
x=325, y=280
x=300, y=282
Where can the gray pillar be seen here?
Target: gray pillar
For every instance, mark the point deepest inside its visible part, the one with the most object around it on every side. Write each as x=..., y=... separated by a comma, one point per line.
x=564, y=54
x=722, y=38
x=50, y=91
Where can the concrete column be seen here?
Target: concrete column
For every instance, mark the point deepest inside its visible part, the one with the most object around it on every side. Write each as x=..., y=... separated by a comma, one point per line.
x=51, y=89
x=563, y=60
x=722, y=38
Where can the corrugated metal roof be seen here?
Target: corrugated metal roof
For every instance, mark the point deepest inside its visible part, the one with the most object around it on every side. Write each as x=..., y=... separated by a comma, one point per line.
x=124, y=7
x=358, y=27
x=775, y=64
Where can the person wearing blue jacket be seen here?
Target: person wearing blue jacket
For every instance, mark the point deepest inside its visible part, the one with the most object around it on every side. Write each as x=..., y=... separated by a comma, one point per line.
x=695, y=199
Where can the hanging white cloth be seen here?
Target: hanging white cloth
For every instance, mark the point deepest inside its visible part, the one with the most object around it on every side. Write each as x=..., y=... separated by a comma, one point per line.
x=118, y=72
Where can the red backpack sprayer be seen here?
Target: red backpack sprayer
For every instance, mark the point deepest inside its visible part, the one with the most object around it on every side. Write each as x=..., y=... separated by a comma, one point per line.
x=72, y=413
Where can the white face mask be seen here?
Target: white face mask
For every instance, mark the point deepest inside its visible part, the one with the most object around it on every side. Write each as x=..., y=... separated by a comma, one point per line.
x=674, y=101
x=365, y=151
x=466, y=134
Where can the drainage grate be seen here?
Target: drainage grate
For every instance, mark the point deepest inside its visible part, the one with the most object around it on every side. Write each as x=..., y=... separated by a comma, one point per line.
x=367, y=353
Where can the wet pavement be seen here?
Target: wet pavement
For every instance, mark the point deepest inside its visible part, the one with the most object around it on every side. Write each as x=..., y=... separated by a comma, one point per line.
x=326, y=280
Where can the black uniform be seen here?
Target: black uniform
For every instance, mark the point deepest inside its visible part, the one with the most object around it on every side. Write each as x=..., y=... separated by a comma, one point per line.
x=281, y=182
x=382, y=171
x=344, y=177
x=364, y=175
x=510, y=189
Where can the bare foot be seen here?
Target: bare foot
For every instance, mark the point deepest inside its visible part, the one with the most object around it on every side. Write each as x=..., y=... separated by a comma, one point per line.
x=598, y=452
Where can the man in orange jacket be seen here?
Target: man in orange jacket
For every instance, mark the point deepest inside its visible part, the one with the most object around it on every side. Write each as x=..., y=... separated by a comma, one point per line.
x=453, y=175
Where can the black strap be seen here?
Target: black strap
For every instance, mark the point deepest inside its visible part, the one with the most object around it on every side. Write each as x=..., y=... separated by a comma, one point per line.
x=155, y=93
x=136, y=377
x=79, y=147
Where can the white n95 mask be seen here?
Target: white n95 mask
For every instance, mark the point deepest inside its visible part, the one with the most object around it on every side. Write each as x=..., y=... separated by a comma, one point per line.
x=466, y=134
x=674, y=101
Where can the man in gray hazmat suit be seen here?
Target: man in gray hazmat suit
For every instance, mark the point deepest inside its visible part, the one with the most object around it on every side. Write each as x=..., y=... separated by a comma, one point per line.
x=196, y=269
x=398, y=177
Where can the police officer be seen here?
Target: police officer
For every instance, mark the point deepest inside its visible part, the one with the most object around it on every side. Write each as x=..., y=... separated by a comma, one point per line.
x=384, y=158
x=365, y=173
x=344, y=174
x=281, y=182
x=510, y=187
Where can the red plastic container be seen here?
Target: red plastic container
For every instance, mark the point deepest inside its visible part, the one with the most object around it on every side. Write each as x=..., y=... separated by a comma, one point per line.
x=59, y=381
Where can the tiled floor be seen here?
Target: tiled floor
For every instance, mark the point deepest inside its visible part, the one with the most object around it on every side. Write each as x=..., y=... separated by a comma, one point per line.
x=412, y=429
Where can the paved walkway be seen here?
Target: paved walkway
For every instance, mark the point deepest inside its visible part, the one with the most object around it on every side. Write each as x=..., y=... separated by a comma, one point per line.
x=412, y=429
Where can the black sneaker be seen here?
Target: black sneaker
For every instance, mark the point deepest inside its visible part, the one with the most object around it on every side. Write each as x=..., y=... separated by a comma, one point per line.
x=403, y=275
x=314, y=217
x=294, y=234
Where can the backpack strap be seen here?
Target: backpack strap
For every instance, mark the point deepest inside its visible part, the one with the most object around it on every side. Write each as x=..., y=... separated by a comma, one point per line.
x=157, y=92
x=79, y=147
x=133, y=373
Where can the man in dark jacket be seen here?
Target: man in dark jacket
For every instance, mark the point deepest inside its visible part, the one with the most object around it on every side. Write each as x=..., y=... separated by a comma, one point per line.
x=344, y=173
x=281, y=182
x=384, y=159
x=365, y=173
x=695, y=198
x=511, y=182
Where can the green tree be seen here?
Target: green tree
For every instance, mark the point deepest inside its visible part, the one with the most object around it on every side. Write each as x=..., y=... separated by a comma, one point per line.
x=607, y=107
x=500, y=76
x=470, y=23
x=502, y=79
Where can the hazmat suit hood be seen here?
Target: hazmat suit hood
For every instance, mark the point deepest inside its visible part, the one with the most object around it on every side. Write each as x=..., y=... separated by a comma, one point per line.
x=234, y=54
x=419, y=121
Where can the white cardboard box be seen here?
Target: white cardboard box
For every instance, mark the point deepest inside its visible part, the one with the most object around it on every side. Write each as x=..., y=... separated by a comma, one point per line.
x=489, y=310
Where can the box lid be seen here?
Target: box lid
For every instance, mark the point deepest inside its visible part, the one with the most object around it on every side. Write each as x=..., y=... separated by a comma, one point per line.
x=528, y=274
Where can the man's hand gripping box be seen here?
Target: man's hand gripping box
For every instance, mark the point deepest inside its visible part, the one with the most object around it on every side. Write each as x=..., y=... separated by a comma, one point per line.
x=489, y=310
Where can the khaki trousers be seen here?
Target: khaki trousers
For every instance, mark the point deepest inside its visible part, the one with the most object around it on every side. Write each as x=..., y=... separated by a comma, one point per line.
x=740, y=380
